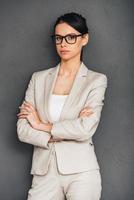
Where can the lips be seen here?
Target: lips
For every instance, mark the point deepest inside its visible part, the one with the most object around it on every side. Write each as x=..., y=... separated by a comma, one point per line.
x=64, y=51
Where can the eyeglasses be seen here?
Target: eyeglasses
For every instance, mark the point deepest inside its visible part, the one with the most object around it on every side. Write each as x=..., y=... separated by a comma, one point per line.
x=69, y=38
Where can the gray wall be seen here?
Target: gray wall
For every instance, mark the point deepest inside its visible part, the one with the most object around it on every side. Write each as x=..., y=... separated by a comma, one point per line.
x=26, y=47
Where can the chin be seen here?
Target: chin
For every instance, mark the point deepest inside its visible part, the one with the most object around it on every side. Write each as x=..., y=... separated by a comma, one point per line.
x=65, y=57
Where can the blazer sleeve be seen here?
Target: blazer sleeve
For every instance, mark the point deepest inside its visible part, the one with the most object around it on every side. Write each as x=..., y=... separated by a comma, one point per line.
x=83, y=128
x=24, y=130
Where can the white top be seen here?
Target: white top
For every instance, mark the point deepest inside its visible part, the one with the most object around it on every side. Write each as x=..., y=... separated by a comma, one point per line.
x=55, y=106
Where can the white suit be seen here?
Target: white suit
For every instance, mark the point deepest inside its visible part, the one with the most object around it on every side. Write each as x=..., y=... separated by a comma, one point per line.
x=76, y=154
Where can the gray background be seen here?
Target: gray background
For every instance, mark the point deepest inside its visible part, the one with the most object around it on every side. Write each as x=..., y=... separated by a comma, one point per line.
x=25, y=47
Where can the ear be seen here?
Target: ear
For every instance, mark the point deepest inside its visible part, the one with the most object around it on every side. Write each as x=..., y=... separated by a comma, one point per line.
x=85, y=39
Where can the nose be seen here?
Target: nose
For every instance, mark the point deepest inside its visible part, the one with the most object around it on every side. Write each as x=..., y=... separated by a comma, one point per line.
x=63, y=43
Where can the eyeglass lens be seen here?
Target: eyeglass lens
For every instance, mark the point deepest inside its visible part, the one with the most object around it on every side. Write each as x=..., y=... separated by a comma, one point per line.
x=68, y=38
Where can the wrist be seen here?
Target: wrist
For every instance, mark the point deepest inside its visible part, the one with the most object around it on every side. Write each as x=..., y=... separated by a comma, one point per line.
x=45, y=127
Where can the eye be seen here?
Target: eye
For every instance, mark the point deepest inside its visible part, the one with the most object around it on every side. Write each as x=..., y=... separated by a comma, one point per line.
x=71, y=37
x=58, y=38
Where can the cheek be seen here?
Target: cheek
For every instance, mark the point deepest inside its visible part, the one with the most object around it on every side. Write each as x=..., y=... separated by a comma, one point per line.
x=76, y=48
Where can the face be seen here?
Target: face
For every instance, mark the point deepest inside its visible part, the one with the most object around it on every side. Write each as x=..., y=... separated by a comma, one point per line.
x=67, y=51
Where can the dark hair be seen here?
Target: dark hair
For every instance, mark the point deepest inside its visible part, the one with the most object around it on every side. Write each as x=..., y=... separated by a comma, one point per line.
x=77, y=21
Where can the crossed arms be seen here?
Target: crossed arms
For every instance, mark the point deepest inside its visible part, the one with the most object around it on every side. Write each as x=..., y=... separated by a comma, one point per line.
x=78, y=129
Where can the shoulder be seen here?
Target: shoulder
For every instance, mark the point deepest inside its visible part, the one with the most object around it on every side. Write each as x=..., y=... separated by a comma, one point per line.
x=41, y=73
x=97, y=77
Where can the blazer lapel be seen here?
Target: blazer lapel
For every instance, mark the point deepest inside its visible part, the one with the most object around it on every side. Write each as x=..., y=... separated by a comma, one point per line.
x=77, y=86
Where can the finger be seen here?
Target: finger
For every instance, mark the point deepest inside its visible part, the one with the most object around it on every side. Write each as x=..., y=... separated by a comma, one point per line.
x=86, y=111
x=27, y=108
x=29, y=105
x=89, y=113
x=23, y=113
x=22, y=116
x=27, y=102
x=86, y=108
x=22, y=109
x=24, y=106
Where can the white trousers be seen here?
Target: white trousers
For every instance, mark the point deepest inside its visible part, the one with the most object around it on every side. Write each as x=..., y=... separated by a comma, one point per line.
x=55, y=186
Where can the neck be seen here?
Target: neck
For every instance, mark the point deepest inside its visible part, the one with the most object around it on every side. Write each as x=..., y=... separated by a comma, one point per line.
x=69, y=67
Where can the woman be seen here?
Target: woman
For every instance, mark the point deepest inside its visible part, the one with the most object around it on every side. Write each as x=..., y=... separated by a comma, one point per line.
x=59, y=116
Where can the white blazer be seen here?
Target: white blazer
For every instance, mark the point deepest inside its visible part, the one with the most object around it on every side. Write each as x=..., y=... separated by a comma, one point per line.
x=75, y=154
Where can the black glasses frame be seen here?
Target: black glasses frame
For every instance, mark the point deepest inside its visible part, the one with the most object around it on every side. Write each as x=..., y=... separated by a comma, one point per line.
x=53, y=38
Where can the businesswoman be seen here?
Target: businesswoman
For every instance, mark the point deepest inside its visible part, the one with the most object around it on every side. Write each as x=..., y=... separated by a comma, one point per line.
x=59, y=116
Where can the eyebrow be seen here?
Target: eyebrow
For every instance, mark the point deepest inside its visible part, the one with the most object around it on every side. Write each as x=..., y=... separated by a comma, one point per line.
x=67, y=34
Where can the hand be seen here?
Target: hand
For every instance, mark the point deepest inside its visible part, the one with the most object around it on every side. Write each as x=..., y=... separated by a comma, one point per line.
x=28, y=111
x=85, y=112
x=54, y=140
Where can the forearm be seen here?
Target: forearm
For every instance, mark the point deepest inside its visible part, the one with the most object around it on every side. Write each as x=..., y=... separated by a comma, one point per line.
x=83, y=128
x=80, y=136
x=27, y=133
x=79, y=129
x=32, y=136
x=47, y=127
